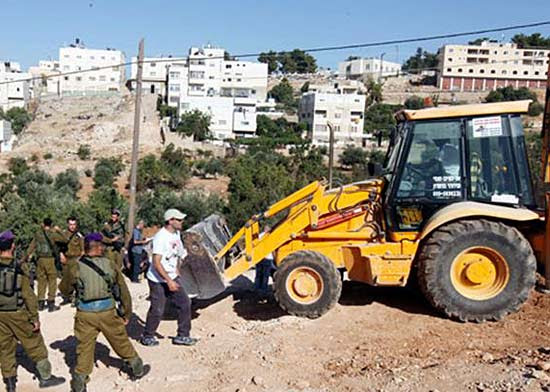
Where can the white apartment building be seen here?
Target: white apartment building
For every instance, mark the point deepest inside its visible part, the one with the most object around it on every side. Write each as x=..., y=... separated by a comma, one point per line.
x=155, y=74
x=344, y=112
x=107, y=72
x=227, y=90
x=491, y=65
x=14, y=85
x=45, y=79
x=7, y=137
x=229, y=117
x=368, y=67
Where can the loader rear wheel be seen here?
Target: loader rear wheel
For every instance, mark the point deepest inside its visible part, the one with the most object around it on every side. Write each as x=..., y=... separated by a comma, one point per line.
x=307, y=284
x=476, y=270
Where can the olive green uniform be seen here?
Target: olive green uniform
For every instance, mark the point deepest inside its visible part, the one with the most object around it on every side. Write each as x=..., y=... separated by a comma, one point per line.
x=90, y=320
x=46, y=272
x=74, y=249
x=113, y=249
x=17, y=325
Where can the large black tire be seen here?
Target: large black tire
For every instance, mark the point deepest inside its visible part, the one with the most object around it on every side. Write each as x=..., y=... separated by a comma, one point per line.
x=446, y=243
x=325, y=270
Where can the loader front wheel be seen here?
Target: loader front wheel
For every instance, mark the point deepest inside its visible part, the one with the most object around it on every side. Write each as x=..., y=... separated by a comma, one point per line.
x=307, y=284
x=476, y=270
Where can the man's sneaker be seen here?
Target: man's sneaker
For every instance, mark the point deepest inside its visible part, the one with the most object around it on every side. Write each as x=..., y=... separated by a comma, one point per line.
x=184, y=341
x=149, y=341
x=50, y=382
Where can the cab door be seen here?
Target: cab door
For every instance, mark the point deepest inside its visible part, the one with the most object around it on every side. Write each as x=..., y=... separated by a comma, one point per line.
x=429, y=176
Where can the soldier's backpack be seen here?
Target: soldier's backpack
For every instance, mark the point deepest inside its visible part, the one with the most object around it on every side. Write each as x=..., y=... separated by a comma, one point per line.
x=91, y=285
x=10, y=288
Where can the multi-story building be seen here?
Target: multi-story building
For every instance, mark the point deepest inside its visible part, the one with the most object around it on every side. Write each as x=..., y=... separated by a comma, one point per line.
x=227, y=90
x=45, y=78
x=105, y=69
x=338, y=86
x=490, y=65
x=368, y=67
x=6, y=136
x=155, y=74
x=14, y=85
x=344, y=112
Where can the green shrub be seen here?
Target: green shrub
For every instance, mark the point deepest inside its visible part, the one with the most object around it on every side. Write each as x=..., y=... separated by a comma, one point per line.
x=84, y=152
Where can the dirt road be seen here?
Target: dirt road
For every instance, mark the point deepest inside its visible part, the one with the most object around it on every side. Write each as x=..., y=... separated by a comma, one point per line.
x=374, y=340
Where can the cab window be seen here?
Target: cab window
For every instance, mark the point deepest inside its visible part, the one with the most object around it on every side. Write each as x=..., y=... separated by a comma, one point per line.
x=432, y=169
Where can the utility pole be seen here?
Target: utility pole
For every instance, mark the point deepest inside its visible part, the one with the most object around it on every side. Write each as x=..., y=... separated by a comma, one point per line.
x=135, y=145
x=330, y=154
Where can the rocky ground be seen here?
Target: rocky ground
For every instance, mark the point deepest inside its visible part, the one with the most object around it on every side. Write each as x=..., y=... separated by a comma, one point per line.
x=373, y=340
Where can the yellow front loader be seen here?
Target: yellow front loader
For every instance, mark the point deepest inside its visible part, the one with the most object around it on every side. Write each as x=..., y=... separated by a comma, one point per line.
x=454, y=203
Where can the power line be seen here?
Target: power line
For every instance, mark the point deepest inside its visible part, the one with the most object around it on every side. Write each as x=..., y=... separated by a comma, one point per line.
x=309, y=50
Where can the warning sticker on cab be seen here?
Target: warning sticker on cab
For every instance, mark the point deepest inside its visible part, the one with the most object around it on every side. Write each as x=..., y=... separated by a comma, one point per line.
x=487, y=126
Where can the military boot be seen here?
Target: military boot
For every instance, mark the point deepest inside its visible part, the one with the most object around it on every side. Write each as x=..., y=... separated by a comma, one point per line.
x=45, y=377
x=41, y=305
x=52, y=307
x=137, y=369
x=78, y=383
x=10, y=383
x=50, y=382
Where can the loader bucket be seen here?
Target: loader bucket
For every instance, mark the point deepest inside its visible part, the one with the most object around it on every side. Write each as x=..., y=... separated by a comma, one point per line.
x=201, y=275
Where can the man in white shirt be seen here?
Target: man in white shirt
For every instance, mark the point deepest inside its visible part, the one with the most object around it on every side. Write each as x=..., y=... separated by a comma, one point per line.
x=165, y=282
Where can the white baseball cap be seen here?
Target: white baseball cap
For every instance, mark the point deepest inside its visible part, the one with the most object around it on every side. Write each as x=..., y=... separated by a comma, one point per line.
x=172, y=213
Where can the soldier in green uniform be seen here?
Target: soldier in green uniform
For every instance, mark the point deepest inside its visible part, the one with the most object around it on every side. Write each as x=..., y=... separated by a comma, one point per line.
x=19, y=319
x=99, y=285
x=73, y=249
x=48, y=264
x=113, y=237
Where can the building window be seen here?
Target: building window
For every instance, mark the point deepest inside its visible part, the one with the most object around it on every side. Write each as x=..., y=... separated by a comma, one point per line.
x=112, y=79
x=92, y=78
x=537, y=72
x=174, y=99
x=153, y=64
x=450, y=59
x=78, y=79
x=514, y=72
x=174, y=75
x=481, y=71
x=448, y=69
x=102, y=57
x=493, y=71
x=79, y=57
x=227, y=66
x=153, y=74
x=526, y=72
x=66, y=56
x=451, y=50
x=102, y=78
x=222, y=122
x=92, y=58
x=460, y=70
x=337, y=115
x=471, y=70
x=504, y=72
x=66, y=78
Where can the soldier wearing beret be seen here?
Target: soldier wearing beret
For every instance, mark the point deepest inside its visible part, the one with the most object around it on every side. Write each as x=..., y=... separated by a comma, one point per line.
x=99, y=286
x=19, y=319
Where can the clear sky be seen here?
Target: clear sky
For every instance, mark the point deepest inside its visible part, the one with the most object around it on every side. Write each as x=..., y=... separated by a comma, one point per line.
x=31, y=30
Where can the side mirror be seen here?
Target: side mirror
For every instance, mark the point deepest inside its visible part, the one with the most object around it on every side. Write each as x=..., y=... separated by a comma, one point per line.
x=374, y=169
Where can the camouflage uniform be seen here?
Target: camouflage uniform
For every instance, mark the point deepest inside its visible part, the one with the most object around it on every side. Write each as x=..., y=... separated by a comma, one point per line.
x=74, y=249
x=46, y=271
x=98, y=315
x=18, y=315
x=114, y=249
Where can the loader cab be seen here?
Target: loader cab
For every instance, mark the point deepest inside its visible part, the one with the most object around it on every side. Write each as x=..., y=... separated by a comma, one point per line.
x=440, y=156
